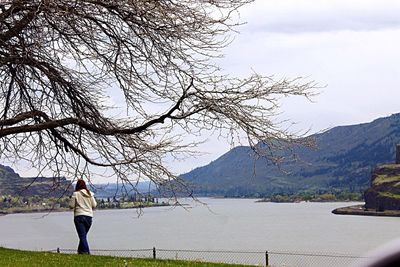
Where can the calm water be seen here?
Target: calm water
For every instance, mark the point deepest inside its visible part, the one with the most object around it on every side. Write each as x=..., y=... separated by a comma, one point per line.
x=227, y=224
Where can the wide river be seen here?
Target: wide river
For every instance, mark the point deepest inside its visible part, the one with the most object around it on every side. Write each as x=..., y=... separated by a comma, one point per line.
x=223, y=224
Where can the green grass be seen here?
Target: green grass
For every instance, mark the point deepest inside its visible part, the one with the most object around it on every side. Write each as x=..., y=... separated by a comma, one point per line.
x=383, y=178
x=390, y=195
x=389, y=166
x=16, y=258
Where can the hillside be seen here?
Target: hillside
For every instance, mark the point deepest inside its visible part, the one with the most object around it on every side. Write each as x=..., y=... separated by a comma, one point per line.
x=344, y=159
x=12, y=184
x=384, y=193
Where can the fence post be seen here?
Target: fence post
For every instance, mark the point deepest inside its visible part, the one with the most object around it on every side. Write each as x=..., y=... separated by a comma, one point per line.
x=266, y=258
x=58, y=250
x=154, y=252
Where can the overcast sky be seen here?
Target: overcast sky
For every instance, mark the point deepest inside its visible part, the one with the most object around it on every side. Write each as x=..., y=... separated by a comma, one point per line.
x=351, y=47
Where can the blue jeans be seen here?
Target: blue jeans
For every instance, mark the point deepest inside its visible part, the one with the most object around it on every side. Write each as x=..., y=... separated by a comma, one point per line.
x=82, y=225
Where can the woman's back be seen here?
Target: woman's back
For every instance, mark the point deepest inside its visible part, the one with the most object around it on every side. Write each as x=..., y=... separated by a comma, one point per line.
x=83, y=203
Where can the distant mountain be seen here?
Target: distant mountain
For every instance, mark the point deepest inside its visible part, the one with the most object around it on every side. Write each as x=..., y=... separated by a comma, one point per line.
x=11, y=183
x=343, y=160
x=117, y=190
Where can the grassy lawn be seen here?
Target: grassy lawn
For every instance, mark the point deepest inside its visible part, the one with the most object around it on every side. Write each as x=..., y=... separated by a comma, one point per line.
x=15, y=258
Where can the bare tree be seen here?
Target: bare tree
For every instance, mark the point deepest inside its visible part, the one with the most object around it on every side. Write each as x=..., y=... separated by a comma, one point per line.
x=60, y=60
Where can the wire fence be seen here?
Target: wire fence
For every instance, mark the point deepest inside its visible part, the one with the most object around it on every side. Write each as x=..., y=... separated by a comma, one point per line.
x=256, y=258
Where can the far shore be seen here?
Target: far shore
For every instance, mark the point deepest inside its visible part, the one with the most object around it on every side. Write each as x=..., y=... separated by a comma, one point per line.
x=360, y=210
x=49, y=210
x=17, y=211
x=310, y=201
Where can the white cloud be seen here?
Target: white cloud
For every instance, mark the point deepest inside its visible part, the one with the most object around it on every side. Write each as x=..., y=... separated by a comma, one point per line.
x=293, y=16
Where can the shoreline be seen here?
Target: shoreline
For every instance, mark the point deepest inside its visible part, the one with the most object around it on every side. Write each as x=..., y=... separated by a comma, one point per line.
x=361, y=211
x=309, y=201
x=49, y=210
x=4, y=213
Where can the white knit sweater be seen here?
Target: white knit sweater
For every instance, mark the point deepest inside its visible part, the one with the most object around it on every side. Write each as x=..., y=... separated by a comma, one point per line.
x=82, y=203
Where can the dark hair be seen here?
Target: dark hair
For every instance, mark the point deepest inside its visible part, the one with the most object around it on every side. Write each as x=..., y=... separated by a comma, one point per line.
x=80, y=185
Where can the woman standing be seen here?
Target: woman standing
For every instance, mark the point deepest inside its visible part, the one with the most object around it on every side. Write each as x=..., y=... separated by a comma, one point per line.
x=83, y=203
